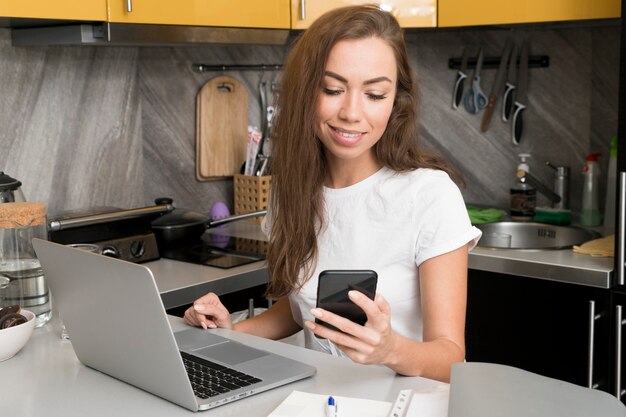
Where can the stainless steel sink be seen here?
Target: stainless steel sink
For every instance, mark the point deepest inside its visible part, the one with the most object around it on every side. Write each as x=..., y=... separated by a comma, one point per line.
x=518, y=235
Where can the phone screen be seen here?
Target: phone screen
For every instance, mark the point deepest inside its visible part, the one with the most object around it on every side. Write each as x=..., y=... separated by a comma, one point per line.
x=333, y=288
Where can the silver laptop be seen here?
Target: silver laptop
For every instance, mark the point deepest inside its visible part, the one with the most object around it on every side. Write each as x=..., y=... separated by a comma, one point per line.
x=117, y=324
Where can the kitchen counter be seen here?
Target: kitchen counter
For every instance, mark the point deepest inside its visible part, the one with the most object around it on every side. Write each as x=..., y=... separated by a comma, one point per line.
x=181, y=283
x=562, y=265
x=46, y=379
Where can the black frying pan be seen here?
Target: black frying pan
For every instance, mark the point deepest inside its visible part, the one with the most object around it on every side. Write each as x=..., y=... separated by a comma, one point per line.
x=185, y=225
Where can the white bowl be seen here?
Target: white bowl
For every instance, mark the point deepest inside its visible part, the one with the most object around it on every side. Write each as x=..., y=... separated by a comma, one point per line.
x=14, y=338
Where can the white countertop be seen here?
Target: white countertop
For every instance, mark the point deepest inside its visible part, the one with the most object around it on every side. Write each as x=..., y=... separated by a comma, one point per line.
x=46, y=379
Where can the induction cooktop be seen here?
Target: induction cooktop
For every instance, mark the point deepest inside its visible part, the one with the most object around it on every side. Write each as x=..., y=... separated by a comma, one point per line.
x=218, y=251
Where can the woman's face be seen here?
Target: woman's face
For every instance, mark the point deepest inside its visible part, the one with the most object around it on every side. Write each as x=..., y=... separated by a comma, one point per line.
x=356, y=100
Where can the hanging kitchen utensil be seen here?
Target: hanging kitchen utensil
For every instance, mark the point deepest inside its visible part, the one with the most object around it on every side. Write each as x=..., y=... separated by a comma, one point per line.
x=511, y=84
x=475, y=100
x=221, y=128
x=459, y=84
x=517, y=125
x=496, y=90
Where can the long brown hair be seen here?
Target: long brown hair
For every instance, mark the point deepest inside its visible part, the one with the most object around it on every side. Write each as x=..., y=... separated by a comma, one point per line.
x=299, y=165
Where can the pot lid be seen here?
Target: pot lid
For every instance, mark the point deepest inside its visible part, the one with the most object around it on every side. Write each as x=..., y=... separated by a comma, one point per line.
x=180, y=218
x=8, y=183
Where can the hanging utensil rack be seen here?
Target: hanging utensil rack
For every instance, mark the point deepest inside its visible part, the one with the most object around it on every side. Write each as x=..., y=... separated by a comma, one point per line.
x=251, y=67
x=492, y=62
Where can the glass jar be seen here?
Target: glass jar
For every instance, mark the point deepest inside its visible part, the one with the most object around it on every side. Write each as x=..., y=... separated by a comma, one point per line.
x=19, y=224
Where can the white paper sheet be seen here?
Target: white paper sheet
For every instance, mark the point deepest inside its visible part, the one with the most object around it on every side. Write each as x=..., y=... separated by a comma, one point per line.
x=303, y=404
x=433, y=403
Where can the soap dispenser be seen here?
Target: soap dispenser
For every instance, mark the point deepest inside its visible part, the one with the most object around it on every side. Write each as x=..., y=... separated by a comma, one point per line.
x=590, y=213
x=523, y=194
x=611, y=177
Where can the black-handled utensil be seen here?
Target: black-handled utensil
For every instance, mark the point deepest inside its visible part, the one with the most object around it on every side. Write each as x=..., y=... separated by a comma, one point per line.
x=517, y=127
x=459, y=84
x=509, y=88
x=496, y=90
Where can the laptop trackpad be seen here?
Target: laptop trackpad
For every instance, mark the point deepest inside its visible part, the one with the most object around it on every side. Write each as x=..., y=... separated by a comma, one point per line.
x=230, y=353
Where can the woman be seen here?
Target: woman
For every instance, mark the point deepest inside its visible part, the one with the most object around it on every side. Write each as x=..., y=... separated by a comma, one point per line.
x=351, y=189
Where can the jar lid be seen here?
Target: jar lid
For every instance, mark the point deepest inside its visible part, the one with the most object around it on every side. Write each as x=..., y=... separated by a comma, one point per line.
x=22, y=214
x=8, y=183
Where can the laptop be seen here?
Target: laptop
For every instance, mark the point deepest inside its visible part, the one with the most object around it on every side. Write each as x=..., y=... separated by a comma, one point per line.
x=117, y=324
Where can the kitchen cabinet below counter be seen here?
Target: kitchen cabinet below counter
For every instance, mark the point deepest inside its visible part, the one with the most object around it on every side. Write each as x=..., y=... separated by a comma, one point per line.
x=273, y=14
x=555, y=329
x=494, y=12
x=91, y=10
x=410, y=13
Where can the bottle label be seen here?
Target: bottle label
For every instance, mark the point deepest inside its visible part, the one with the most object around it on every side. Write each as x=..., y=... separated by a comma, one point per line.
x=523, y=203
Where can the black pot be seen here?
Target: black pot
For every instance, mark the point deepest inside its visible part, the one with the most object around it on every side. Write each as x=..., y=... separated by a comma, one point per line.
x=182, y=225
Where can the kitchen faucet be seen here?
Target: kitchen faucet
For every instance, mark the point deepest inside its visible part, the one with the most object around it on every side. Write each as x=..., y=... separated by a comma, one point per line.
x=560, y=196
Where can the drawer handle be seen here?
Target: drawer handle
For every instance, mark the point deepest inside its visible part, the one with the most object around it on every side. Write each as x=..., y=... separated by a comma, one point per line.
x=129, y=6
x=302, y=9
x=592, y=331
x=621, y=243
x=619, y=324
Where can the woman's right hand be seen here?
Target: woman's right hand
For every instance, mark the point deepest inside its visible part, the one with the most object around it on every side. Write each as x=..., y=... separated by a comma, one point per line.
x=208, y=312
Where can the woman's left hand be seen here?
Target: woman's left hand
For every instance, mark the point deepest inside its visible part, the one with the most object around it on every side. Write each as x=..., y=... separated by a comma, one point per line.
x=373, y=343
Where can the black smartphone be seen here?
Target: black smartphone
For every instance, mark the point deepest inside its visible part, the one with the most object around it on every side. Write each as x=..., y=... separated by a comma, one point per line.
x=332, y=293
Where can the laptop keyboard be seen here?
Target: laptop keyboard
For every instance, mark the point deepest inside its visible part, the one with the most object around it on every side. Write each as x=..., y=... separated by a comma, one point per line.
x=209, y=379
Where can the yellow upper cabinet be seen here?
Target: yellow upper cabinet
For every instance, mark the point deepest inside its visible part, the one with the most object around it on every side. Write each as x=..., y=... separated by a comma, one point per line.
x=493, y=12
x=410, y=13
x=55, y=9
x=228, y=13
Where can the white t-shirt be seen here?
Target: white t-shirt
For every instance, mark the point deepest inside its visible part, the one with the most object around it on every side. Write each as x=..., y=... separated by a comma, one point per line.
x=390, y=222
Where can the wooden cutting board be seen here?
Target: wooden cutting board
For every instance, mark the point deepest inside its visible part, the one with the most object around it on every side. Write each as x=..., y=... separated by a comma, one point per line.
x=221, y=128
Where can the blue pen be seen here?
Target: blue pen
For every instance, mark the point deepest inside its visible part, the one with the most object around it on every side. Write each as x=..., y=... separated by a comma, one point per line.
x=331, y=407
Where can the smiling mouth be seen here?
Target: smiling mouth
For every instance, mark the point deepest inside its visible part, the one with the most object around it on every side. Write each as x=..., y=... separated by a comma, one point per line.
x=346, y=134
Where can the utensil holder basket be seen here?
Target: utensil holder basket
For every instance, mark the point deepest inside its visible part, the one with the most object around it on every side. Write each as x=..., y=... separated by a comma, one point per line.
x=251, y=194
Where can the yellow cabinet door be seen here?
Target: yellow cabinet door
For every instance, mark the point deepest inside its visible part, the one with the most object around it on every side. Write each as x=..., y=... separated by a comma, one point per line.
x=228, y=13
x=490, y=12
x=410, y=13
x=55, y=9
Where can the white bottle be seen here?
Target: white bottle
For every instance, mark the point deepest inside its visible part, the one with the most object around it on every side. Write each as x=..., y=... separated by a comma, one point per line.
x=523, y=195
x=590, y=213
x=611, y=175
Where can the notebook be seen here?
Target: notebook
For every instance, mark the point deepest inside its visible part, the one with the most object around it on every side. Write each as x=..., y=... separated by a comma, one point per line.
x=117, y=324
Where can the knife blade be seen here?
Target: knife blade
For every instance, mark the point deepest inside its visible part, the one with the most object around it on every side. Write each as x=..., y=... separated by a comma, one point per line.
x=509, y=89
x=517, y=126
x=459, y=84
x=497, y=87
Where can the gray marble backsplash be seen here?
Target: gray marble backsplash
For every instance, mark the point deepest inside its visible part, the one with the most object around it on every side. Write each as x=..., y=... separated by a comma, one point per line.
x=115, y=126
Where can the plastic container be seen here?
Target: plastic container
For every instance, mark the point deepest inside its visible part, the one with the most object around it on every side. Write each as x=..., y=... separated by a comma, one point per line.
x=611, y=190
x=590, y=214
x=523, y=195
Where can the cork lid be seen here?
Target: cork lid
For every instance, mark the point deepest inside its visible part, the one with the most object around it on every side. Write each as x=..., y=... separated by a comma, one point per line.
x=22, y=214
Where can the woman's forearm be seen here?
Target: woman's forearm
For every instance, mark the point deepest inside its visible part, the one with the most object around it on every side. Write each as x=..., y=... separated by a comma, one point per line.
x=275, y=323
x=432, y=359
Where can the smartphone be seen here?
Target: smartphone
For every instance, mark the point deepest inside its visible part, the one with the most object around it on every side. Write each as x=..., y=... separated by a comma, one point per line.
x=332, y=293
